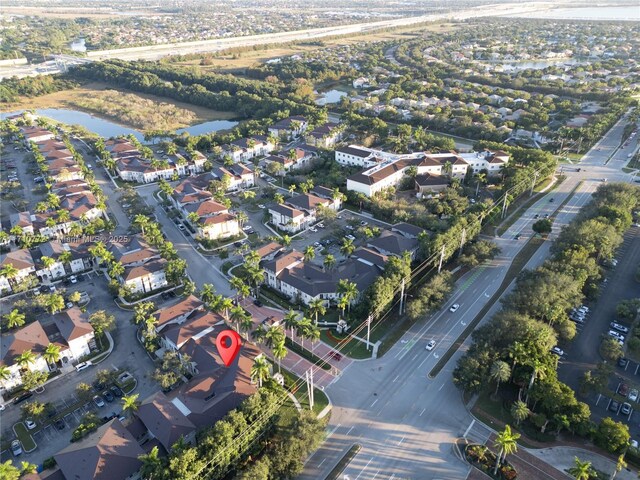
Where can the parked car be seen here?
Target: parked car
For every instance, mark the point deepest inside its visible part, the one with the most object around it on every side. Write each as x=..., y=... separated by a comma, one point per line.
x=257, y=303
x=108, y=396
x=335, y=355
x=30, y=423
x=16, y=448
x=431, y=345
x=181, y=227
x=616, y=335
x=633, y=395
x=116, y=391
x=619, y=328
x=73, y=279
x=98, y=401
x=454, y=307
x=350, y=237
x=558, y=351
x=22, y=398
x=625, y=409
x=59, y=424
x=246, y=227
x=623, y=362
x=614, y=406
x=83, y=365
x=623, y=390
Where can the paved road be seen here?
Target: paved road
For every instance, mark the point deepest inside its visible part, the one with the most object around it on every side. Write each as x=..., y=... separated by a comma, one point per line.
x=406, y=422
x=154, y=52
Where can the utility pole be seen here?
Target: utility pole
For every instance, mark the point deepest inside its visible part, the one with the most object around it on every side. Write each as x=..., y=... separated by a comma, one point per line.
x=368, y=330
x=441, y=258
x=504, y=206
x=401, y=300
x=463, y=238
x=533, y=183
x=309, y=379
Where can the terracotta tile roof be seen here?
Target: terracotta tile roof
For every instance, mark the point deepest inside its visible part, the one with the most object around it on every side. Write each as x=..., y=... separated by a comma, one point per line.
x=148, y=268
x=180, y=308
x=164, y=420
x=30, y=337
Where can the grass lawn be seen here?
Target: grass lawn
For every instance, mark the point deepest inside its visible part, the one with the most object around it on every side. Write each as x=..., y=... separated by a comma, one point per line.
x=25, y=437
x=319, y=397
x=354, y=348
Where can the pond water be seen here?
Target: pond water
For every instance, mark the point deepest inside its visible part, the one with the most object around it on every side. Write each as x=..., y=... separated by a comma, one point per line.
x=330, y=96
x=106, y=128
x=78, y=45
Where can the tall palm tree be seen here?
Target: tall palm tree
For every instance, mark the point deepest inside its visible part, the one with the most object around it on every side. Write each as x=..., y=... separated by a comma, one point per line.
x=152, y=467
x=500, y=372
x=246, y=322
x=274, y=335
x=260, y=370
x=51, y=354
x=313, y=334
x=506, y=442
x=9, y=271
x=15, y=318
x=54, y=303
x=142, y=222
x=290, y=320
x=520, y=411
x=286, y=240
x=309, y=253
x=279, y=352
x=316, y=307
x=480, y=178
x=302, y=329
x=581, y=470
x=225, y=305
x=237, y=314
x=259, y=334
x=25, y=359
x=207, y=293
x=329, y=262
x=130, y=403
x=620, y=464
x=347, y=247
x=348, y=291
x=539, y=372
x=5, y=373
x=252, y=258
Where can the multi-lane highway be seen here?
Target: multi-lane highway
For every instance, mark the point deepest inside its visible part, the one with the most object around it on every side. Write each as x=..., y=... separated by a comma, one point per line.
x=407, y=422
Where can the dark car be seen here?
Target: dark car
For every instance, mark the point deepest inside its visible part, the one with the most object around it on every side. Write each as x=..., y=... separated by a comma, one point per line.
x=108, y=396
x=116, y=391
x=98, y=386
x=59, y=424
x=335, y=355
x=623, y=362
x=257, y=303
x=22, y=398
x=51, y=411
x=623, y=390
x=237, y=244
x=614, y=406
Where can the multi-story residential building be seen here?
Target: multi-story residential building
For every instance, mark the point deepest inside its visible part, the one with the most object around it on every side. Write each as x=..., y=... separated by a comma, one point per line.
x=299, y=159
x=289, y=128
x=325, y=136
x=215, y=221
x=245, y=149
x=22, y=265
x=70, y=331
x=178, y=313
x=304, y=281
x=164, y=422
x=239, y=176
x=36, y=134
x=57, y=252
x=145, y=278
x=134, y=252
x=300, y=211
x=428, y=167
x=22, y=220
x=354, y=156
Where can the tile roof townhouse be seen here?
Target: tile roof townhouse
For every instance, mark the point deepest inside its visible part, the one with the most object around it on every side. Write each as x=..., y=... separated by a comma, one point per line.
x=36, y=134
x=291, y=161
x=70, y=330
x=303, y=281
x=238, y=175
x=20, y=263
x=79, y=260
x=145, y=278
x=289, y=128
x=245, y=149
x=325, y=136
x=300, y=211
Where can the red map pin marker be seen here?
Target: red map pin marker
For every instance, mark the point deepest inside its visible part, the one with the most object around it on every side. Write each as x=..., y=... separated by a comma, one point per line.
x=228, y=343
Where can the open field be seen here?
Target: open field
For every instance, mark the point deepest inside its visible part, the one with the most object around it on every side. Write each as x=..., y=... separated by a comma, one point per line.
x=241, y=60
x=136, y=110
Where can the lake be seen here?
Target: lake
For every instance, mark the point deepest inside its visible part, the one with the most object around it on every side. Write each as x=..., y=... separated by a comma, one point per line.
x=630, y=13
x=330, y=96
x=106, y=128
x=78, y=45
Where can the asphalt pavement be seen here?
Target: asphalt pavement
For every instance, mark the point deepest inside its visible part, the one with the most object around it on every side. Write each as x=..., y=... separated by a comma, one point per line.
x=406, y=422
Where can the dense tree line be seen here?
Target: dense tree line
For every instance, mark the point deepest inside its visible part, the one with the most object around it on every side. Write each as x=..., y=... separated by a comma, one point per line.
x=248, y=98
x=11, y=89
x=514, y=346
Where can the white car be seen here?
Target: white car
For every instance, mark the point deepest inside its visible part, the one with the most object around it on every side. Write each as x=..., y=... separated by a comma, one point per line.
x=30, y=423
x=634, y=444
x=313, y=229
x=431, y=345
x=619, y=328
x=558, y=351
x=261, y=206
x=633, y=395
x=247, y=227
x=83, y=365
x=454, y=307
x=350, y=237
x=73, y=279
x=616, y=335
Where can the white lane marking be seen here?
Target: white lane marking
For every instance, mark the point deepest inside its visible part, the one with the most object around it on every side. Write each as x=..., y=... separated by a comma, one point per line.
x=401, y=440
x=365, y=467
x=374, y=402
x=349, y=431
x=423, y=410
x=394, y=380
x=320, y=464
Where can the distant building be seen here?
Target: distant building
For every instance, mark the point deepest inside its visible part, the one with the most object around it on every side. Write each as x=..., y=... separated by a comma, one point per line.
x=300, y=211
x=289, y=128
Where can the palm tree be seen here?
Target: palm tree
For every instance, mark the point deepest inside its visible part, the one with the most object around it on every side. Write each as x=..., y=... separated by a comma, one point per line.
x=255, y=276
x=274, y=335
x=130, y=403
x=347, y=247
x=290, y=320
x=348, y=291
x=620, y=464
x=141, y=221
x=54, y=303
x=286, y=240
x=500, y=372
x=252, y=258
x=316, y=307
x=25, y=359
x=5, y=373
x=480, y=178
x=581, y=470
x=302, y=329
x=260, y=370
x=507, y=442
x=207, y=293
x=279, y=352
x=152, y=467
x=292, y=188
x=520, y=411
x=246, y=322
x=237, y=314
x=313, y=334
x=329, y=262
x=9, y=271
x=224, y=305
x=242, y=218
x=193, y=218
x=539, y=371
x=309, y=253
x=63, y=216
x=14, y=318
x=115, y=269
x=259, y=333
x=51, y=354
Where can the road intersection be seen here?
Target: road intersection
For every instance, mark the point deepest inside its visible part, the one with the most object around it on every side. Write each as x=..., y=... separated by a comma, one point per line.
x=407, y=422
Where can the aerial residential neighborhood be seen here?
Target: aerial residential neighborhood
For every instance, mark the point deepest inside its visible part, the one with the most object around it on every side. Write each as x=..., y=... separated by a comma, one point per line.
x=319, y=241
